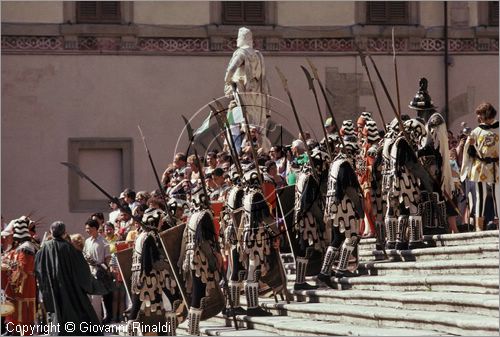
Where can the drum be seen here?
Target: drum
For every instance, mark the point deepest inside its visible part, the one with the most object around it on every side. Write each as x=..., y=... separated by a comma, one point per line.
x=4, y=276
x=6, y=308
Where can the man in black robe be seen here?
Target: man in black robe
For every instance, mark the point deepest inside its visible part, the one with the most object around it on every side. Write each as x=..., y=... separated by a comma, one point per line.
x=65, y=281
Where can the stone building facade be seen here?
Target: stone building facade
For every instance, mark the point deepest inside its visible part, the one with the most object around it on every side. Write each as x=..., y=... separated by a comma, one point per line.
x=76, y=81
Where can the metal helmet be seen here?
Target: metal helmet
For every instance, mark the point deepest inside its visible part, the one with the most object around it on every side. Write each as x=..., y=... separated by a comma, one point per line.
x=422, y=100
x=416, y=132
x=152, y=217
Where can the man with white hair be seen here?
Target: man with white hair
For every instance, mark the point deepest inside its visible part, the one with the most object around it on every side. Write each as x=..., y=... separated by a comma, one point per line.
x=65, y=281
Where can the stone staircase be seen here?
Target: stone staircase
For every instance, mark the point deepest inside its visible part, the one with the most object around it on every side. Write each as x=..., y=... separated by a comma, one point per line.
x=450, y=289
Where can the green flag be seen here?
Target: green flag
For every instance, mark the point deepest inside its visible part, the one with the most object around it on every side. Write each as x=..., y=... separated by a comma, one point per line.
x=204, y=126
x=235, y=116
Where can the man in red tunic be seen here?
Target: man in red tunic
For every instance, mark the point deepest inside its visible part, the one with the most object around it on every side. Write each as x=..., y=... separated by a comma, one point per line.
x=22, y=284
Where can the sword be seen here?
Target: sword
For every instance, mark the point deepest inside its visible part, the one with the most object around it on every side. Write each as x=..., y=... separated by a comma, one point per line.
x=311, y=87
x=82, y=175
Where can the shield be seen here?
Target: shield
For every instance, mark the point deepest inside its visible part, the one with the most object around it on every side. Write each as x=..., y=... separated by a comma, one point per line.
x=285, y=207
x=172, y=242
x=124, y=258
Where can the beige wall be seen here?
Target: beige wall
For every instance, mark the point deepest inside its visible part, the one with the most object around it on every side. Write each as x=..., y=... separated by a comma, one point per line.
x=47, y=99
x=171, y=12
x=431, y=13
x=32, y=11
x=315, y=13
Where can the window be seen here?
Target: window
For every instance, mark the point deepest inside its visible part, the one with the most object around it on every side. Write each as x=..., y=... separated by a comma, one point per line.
x=243, y=12
x=387, y=13
x=98, y=12
x=492, y=13
x=108, y=161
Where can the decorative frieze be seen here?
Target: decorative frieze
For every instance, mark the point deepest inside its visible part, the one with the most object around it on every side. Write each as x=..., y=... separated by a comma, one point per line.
x=131, y=44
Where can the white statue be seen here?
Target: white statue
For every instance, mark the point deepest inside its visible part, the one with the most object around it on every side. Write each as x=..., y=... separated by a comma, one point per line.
x=247, y=72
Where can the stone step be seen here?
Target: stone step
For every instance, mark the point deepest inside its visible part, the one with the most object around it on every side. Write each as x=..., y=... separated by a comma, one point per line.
x=297, y=326
x=476, y=251
x=443, y=322
x=438, y=267
x=486, y=284
x=458, y=239
x=481, y=304
x=217, y=327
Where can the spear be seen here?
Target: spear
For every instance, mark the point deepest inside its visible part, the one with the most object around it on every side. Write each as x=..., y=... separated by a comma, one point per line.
x=363, y=62
x=237, y=97
x=313, y=89
x=285, y=86
x=224, y=125
x=401, y=128
x=396, y=71
x=330, y=110
x=160, y=186
x=207, y=203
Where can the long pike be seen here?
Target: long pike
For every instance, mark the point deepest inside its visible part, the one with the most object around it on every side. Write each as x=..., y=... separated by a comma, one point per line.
x=362, y=57
x=313, y=89
x=284, y=81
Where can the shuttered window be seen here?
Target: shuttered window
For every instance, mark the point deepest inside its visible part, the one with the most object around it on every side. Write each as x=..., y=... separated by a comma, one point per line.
x=243, y=12
x=98, y=12
x=493, y=13
x=387, y=13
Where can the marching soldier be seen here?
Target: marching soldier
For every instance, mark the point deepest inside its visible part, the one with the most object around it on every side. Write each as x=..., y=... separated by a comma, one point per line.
x=309, y=225
x=200, y=258
x=405, y=179
x=344, y=209
x=151, y=276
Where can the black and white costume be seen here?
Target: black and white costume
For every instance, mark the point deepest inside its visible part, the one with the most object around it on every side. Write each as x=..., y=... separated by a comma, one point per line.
x=404, y=179
x=153, y=287
x=308, y=216
x=200, y=257
x=254, y=240
x=344, y=209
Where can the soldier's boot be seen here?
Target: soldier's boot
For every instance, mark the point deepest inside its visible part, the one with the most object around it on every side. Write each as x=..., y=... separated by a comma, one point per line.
x=416, y=232
x=300, y=281
x=252, y=295
x=234, y=296
x=479, y=224
x=401, y=241
x=391, y=224
x=326, y=269
x=171, y=321
x=380, y=235
x=194, y=317
x=345, y=252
